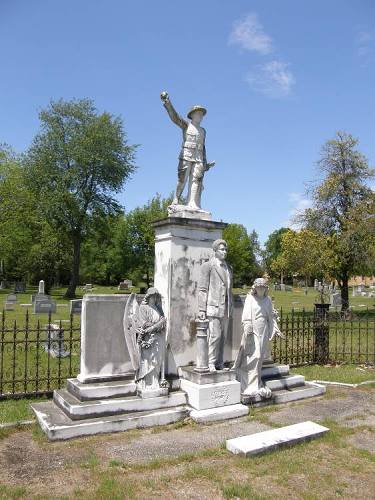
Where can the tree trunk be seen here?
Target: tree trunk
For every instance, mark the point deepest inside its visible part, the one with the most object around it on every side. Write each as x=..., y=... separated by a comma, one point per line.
x=344, y=285
x=74, y=278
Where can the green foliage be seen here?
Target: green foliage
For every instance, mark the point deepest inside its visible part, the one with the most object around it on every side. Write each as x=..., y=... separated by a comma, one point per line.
x=77, y=163
x=343, y=209
x=272, y=249
x=241, y=254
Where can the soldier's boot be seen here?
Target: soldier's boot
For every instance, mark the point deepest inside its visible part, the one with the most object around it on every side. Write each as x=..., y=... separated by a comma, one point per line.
x=195, y=192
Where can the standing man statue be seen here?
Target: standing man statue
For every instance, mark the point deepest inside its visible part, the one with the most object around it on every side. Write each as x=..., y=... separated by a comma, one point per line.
x=215, y=302
x=192, y=160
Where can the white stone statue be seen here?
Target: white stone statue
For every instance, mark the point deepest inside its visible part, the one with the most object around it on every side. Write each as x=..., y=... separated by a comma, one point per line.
x=144, y=328
x=192, y=160
x=259, y=320
x=215, y=302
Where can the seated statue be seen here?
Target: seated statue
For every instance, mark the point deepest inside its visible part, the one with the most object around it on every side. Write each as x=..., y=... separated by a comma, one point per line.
x=259, y=327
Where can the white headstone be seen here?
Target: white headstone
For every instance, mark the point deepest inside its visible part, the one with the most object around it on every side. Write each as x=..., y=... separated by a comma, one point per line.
x=41, y=287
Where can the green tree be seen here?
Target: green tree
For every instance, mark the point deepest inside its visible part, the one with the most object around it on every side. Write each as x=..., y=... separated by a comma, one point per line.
x=241, y=254
x=272, y=250
x=341, y=205
x=132, y=250
x=77, y=163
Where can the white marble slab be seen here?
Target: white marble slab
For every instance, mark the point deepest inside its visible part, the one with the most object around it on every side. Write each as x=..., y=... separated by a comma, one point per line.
x=275, y=438
x=203, y=397
x=221, y=413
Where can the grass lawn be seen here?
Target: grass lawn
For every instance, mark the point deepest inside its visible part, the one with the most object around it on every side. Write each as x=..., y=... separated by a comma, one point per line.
x=16, y=410
x=350, y=374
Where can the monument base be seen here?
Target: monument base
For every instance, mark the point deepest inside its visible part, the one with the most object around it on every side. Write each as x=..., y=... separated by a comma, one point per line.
x=85, y=409
x=186, y=212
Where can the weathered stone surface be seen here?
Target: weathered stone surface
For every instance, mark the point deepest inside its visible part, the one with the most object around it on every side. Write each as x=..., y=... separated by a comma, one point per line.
x=58, y=426
x=188, y=373
x=202, y=397
x=262, y=442
x=101, y=390
x=181, y=246
x=76, y=409
x=44, y=305
x=221, y=413
x=76, y=306
x=104, y=354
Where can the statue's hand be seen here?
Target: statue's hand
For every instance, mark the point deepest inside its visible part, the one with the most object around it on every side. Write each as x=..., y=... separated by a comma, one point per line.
x=210, y=164
x=164, y=96
x=202, y=315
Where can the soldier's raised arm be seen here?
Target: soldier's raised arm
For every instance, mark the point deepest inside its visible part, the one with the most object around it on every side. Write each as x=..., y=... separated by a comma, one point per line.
x=173, y=115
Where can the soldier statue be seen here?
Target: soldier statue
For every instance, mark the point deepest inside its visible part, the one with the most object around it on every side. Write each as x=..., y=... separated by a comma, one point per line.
x=192, y=160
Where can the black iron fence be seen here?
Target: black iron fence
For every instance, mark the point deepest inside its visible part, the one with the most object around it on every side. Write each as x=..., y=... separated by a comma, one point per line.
x=37, y=357
x=323, y=336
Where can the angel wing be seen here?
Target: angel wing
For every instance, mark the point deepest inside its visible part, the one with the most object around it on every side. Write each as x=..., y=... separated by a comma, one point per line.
x=131, y=320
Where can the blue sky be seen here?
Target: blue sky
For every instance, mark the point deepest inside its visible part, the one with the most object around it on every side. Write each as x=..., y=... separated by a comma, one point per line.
x=278, y=78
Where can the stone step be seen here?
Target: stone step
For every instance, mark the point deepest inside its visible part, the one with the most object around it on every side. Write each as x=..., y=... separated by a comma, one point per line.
x=262, y=442
x=287, y=382
x=76, y=409
x=308, y=390
x=57, y=425
x=275, y=371
x=221, y=413
x=101, y=390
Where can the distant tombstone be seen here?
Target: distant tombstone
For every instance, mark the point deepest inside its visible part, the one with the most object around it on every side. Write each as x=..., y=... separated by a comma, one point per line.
x=36, y=296
x=19, y=287
x=316, y=284
x=11, y=298
x=2, y=285
x=54, y=344
x=361, y=288
x=44, y=305
x=122, y=286
x=41, y=287
x=76, y=306
x=288, y=288
x=335, y=299
x=277, y=286
x=282, y=287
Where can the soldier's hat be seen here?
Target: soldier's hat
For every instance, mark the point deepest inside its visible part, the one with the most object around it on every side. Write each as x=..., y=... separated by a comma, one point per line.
x=196, y=108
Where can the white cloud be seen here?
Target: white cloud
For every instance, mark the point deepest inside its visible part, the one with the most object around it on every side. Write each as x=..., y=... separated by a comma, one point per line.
x=298, y=203
x=274, y=79
x=365, y=41
x=249, y=34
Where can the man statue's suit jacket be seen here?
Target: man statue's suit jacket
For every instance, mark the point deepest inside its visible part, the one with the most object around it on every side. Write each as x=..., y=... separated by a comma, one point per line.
x=215, y=289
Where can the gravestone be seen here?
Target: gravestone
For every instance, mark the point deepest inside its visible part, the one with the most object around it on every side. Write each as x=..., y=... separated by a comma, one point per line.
x=36, y=296
x=123, y=286
x=19, y=287
x=277, y=286
x=282, y=287
x=41, y=287
x=54, y=344
x=288, y=288
x=316, y=284
x=44, y=305
x=10, y=302
x=335, y=299
x=76, y=306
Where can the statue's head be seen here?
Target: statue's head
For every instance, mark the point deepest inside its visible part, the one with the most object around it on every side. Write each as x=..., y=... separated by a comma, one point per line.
x=152, y=296
x=260, y=287
x=220, y=248
x=196, y=114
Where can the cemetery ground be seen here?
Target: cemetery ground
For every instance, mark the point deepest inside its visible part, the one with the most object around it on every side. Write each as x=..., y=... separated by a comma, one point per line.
x=187, y=460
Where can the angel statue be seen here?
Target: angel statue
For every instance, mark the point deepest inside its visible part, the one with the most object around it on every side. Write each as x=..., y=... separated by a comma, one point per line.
x=144, y=327
x=259, y=320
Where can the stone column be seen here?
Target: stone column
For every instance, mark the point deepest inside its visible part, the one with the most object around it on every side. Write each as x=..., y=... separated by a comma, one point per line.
x=181, y=247
x=202, y=346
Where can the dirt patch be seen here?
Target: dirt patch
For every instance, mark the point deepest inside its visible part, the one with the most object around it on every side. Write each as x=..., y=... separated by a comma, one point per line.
x=364, y=440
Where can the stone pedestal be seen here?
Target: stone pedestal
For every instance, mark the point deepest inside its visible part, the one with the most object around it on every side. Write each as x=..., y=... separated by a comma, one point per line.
x=181, y=246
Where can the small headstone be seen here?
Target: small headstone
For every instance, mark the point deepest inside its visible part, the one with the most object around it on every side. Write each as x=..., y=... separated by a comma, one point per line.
x=54, y=344
x=282, y=287
x=336, y=299
x=36, y=296
x=11, y=298
x=316, y=284
x=41, y=287
x=288, y=288
x=76, y=306
x=44, y=306
x=19, y=287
